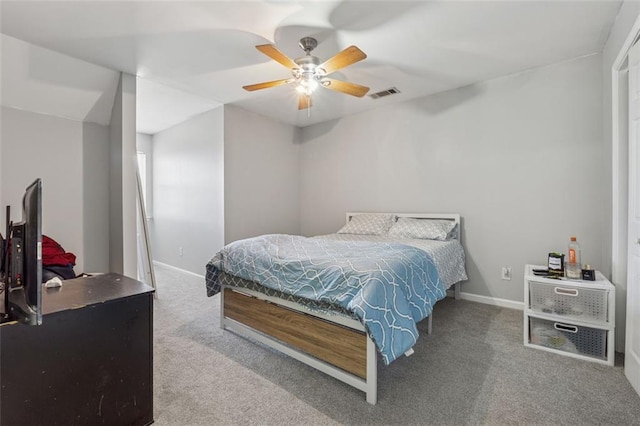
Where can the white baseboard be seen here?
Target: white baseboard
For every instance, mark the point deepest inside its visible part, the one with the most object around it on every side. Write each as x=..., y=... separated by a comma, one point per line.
x=164, y=265
x=503, y=303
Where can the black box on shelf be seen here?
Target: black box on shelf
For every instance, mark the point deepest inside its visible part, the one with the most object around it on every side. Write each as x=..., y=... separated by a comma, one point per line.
x=589, y=274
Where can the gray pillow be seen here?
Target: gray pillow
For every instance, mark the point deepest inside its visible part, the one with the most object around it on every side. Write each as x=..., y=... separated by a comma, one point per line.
x=426, y=229
x=368, y=224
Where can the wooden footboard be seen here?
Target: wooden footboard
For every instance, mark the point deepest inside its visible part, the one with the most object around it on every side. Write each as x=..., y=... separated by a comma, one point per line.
x=336, y=346
x=333, y=343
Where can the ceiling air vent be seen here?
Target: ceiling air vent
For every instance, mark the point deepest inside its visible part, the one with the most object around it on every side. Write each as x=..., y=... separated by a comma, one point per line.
x=387, y=92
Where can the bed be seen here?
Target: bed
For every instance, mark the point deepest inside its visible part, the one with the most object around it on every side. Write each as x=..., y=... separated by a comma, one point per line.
x=333, y=301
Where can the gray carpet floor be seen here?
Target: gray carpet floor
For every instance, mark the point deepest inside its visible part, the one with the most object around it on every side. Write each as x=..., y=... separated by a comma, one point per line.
x=472, y=370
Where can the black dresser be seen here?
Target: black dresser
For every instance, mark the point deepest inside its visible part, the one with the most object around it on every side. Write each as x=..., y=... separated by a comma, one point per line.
x=89, y=363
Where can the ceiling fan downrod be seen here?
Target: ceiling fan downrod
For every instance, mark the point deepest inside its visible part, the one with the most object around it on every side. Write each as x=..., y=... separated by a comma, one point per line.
x=308, y=44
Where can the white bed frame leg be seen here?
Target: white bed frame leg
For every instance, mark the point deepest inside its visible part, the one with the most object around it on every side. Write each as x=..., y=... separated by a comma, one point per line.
x=456, y=291
x=372, y=372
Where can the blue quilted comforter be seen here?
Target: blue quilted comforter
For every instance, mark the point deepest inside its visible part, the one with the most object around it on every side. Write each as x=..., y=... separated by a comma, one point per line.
x=389, y=287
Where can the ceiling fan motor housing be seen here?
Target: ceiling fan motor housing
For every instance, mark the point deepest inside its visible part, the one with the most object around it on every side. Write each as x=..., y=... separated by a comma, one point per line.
x=307, y=66
x=307, y=73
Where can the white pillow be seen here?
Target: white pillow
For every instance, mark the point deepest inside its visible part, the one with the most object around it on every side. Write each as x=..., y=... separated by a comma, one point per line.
x=368, y=224
x=426, y=229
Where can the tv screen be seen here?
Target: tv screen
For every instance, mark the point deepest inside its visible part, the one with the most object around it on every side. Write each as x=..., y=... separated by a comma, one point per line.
x=24, y=271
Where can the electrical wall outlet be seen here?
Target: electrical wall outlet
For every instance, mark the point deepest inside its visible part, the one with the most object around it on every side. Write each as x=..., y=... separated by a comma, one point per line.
x=180, y=251
x=506, y=273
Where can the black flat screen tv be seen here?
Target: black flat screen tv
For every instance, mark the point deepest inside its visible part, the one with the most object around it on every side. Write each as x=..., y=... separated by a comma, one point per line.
x=22, y=268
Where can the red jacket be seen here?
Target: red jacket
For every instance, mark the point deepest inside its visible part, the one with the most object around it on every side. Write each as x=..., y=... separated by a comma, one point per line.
x=54, y=254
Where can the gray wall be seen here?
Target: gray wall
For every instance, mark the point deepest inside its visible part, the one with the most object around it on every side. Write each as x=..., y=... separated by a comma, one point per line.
x=70, y=157
x=41, y=146
x=188, y=192
x=519, y=157
x=261, y=174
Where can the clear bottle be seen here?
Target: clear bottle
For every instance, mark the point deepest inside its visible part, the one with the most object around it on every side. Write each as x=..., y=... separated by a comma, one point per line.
x=573, y=264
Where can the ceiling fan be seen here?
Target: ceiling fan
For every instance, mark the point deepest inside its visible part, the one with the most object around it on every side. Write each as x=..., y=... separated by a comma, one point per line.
x=308, y=73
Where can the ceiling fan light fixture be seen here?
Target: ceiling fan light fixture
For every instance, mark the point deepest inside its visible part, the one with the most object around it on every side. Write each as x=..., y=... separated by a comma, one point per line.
x=309, y=73
x=307, y=84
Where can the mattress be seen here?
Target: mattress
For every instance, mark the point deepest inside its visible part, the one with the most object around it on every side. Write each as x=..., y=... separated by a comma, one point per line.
x=311, y=305
x=448, y=256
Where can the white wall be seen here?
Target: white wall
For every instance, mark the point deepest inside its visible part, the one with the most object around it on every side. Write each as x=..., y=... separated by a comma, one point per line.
x=116, y=261
x=188, y=191
x=69, y=157
x=519, y=157
x=41, y=80
x=261, y=174
x=122, y=180
x=144, y=143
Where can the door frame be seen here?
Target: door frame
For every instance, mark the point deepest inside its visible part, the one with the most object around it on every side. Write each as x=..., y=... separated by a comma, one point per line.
x=620, y=177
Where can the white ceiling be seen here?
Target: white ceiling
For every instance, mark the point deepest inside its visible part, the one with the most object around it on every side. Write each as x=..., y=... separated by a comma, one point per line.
x=206, y=49
x=47, y=82
x=159, y=107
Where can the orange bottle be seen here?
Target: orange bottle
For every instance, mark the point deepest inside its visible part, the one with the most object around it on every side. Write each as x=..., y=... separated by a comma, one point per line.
x=573, y=263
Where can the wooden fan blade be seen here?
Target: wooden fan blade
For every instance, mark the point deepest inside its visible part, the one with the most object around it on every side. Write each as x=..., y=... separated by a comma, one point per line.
x=268, y=84
x=304, y=102
x=348, y=56
x=271, y=51
x=344, y=87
